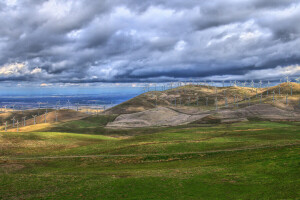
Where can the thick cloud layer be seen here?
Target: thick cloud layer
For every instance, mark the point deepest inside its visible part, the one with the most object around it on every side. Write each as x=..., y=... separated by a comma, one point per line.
x=87, y=41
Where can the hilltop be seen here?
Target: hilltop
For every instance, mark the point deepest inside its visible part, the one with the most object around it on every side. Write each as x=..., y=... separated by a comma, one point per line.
x=204, y=97
x=184, y=96
x=191, y=103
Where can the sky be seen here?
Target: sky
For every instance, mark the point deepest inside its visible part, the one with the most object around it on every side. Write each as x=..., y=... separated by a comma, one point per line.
x=90, y=43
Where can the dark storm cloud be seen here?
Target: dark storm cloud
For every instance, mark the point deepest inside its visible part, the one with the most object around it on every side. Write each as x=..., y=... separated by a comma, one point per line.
x=87, y=41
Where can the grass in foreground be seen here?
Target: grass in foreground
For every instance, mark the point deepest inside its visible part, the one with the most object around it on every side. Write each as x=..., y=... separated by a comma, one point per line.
x=253, y=160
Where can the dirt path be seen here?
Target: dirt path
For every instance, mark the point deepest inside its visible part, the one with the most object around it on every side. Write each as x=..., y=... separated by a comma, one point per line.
x=141, y=155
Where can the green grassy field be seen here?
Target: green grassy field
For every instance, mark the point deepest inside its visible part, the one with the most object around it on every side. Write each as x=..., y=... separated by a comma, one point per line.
x=83, y=160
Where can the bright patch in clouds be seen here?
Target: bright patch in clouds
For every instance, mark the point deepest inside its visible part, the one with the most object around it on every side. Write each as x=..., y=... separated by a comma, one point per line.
x=45, y=85
x=13, y=69
x=180, y=46
x=36, y=71
x=18, y=69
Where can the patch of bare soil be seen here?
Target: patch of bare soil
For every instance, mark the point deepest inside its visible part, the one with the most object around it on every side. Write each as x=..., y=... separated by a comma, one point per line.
x=163, y=116
x=160, y=116
x=262, y=111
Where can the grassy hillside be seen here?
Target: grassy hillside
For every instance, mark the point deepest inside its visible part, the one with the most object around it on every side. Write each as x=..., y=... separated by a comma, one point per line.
x=61, y=115
x=187, y=162
x=196, y=97
x=79, y=158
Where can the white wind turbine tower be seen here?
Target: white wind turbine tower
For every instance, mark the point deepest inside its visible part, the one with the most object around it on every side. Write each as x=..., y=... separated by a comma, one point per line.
x=77, y=105
x=39, y=103
x=287, y=79
x=6, y=126
x=24, y=120
x=260, y=84
x=18, y=125
x=22, y=108
x=234, y=84
x=57, y=105
x=47, y=107
x=56, y=114
x=45, y=117
x=14, y=119
x=252, y=85
x=68, y=103
x=34, y=119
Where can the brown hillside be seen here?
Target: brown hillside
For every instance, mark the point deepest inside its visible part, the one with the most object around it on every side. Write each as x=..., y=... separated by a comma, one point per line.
x=62, y=116
x=184, y=96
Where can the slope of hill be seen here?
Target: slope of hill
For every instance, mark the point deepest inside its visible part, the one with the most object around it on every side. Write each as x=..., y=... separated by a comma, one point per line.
x=284, y=89
x=62, y=116
x=193, y=103
x=190, y=95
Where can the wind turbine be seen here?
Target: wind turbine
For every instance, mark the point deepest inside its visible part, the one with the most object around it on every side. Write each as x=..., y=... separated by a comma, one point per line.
x=57, y=105
x=24, y=118
x=45, y=117
x=6, y=126
x=77, y=105
x=268, y=85
x=14, y=119
x=260, y=84
x=46, y=107
x=39, y=103
x=287, y=79
x=56, y=114
x=252, y=84
x=68, y=103
x=18, y=126
x=34, y=119
x=235, y=83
